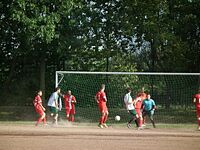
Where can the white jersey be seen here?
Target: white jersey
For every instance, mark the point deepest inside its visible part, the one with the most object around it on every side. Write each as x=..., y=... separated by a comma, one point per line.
x=53, y=100
x=128, y=101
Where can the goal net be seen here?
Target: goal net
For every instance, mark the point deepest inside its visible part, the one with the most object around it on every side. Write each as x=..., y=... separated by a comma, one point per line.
x=172, y=93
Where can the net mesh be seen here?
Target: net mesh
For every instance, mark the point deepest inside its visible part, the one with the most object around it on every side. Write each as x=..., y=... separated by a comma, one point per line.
x=172, y=95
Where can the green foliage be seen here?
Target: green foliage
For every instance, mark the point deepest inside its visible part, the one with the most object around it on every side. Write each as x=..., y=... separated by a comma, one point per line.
x=97, y=35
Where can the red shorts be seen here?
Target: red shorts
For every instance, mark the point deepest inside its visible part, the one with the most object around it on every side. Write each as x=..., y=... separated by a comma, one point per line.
x=103, y=108
x=138, y=111
x=198, y=113
x=70, y=111
x=39, y=110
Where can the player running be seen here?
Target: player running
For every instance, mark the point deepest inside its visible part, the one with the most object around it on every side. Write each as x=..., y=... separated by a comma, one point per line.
x=101, y=101
x=196, y=100
x=54, y=105
x=138, y=106
x=130, y=108
x=70, y=101
x=37, y=102
x=148, y=107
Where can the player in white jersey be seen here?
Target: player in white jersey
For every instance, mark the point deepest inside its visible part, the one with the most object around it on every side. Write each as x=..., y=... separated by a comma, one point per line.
x=130, y=108
x=54, y=105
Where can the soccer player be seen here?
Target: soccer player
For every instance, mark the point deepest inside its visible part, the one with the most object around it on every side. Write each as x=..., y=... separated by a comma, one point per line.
x=148, y=107
x=70, y=101
x=101, y=100
x=130, y=108
x=196, y=100
x=138, y=106
x=37, y=102
x=54, y=105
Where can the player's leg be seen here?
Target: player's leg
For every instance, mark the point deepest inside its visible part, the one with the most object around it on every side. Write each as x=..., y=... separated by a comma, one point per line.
x=55, y=115
x=44, y=119
x=151, y=113
x=139, y=119
x=72, y=113
x=101, y=119
x=67, y=110
x=41, y=114
x=144, y=114
x=198, y=118
x=133, y=118
x=105, y=109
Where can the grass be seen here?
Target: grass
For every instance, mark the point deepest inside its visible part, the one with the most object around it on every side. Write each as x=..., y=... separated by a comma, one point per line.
x=171, y=118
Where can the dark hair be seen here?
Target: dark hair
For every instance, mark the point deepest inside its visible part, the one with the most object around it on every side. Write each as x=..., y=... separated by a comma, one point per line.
x=57, y=88
x=36, y=92
x=128, y=90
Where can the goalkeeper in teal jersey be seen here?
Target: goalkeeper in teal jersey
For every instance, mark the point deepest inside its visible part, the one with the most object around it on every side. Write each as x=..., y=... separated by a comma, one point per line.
x=148, y=107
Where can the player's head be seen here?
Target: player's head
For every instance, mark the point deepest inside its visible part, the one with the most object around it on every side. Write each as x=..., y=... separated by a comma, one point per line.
x=103, y=86
x=69, y=92
x=57, y=89
x=148, y=96
x=128, y=90
x=39, y=92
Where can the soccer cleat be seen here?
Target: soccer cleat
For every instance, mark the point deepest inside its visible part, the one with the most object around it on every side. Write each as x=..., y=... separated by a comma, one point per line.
x=100, y=126
x=105, y=125
x=143, y=125
x=140, y=128
x=128, y=125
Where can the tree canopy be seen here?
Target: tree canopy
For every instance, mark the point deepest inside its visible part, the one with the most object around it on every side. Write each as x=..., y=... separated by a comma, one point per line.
x=39, y=37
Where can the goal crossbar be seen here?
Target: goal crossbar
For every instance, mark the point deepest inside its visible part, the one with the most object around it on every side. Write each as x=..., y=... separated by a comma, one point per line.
x=126, y=73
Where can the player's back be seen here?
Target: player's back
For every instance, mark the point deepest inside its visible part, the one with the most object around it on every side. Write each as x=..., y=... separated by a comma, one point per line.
x=197, y=100
x=138, y=103
x=37, y=100
x=101, y=96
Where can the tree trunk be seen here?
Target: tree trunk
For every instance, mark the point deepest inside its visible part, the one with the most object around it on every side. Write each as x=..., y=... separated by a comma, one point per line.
x=42, y=76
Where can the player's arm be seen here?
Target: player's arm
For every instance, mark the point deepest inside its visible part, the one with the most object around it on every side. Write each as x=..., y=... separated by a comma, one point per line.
x=42, y=107
x=73, y=99
x=153, y=105
x=194, y=99
x=134, y=102
x=61, y=95
x=97, y=97
x=142, y=106
x=104, y=98
x=56, y=101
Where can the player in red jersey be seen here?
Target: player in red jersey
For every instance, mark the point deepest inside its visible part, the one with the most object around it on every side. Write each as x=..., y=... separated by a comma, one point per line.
x=101, y=101
x=138, y=105
x=37, y=102
x=70, y=101
x=196, y=100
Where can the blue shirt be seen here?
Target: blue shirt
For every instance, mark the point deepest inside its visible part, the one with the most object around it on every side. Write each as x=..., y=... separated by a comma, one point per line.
x=148, y=104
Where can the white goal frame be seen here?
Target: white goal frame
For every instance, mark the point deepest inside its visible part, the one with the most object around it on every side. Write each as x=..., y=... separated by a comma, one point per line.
x=58, y=81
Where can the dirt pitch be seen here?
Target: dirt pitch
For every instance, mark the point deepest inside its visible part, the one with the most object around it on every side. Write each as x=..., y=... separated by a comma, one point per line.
x=29, y=137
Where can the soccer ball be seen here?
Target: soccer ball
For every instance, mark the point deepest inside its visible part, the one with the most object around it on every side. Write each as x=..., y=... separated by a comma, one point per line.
x=117, y=118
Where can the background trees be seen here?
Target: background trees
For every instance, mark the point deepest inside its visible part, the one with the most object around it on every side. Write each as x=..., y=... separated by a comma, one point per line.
x=40, y=37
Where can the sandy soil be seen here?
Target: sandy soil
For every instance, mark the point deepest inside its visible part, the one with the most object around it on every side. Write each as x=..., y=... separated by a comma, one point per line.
x=29, y=137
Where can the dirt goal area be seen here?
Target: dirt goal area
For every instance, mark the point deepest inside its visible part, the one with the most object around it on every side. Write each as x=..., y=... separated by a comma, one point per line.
x=75, y=137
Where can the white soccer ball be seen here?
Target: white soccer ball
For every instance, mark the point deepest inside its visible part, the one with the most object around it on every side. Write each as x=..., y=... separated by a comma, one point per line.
x=117, y=118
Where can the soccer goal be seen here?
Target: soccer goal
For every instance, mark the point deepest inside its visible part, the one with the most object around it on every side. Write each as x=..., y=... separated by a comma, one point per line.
x=172, y=93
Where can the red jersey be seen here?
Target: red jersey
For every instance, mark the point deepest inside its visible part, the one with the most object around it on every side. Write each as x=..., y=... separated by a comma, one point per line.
x=196, y=100
x=101, y=97
x=138, y=103
x=69, y=101
x=37, y=101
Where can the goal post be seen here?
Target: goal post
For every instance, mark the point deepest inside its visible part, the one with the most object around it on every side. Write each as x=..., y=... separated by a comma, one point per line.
x=172, y=93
